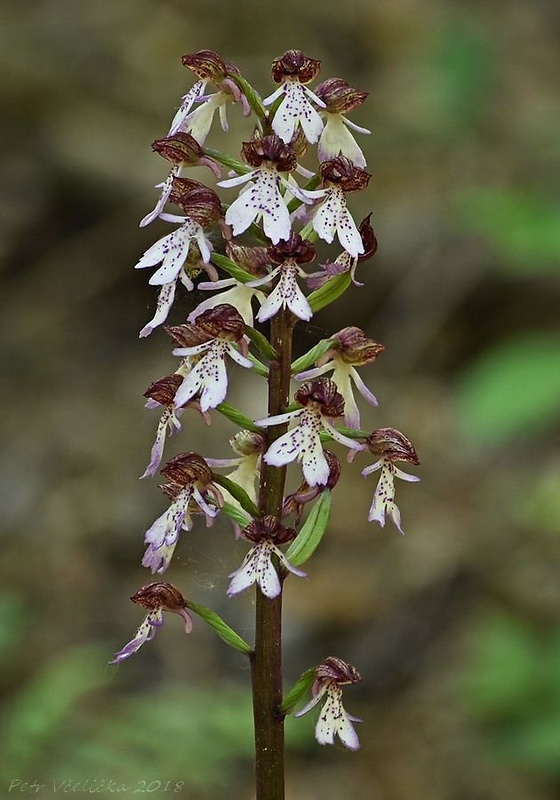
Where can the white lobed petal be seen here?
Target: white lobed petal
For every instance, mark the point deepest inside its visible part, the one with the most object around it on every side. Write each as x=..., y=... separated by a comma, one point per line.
x=362, y=388
x=339, y=437
x=199, y=121
x=325, y=217
x=257, y=568
x=209, y=376
x=384, y=498
x=167, y=424
x=261, y=200
x=296, y=109
x=372, y=468
x=348, y=234
x=405, y=476
x=337, y=140
x=313, y=702
x=189, y=100
x=286, y=293
x=166, y=187
x=278, y=419
x=238, y=180
x=157, y=559
x=192, y=351
x=164, y=302
x=239, y=297
x=302, y=443
x=236, y=356
x=145, y=633
x=333, y=720
x=268, y=101
x=242, y=212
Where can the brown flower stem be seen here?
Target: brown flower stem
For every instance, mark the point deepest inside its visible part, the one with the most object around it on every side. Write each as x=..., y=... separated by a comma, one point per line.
x=267, y=658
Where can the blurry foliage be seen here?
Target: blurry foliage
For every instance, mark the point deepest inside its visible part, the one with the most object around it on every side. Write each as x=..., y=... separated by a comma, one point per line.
x=512, y=688
x=512, y=390
x=173, y=734
x=521, y=228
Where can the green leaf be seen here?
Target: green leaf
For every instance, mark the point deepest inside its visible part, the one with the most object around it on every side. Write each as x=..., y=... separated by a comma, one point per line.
x=236, y=514
x=227, y=634
x=258, y=366
x=298, y=690
x=253, y=97
x=236, y=416
x=232, y=268
x=261, y=342
x=307, y=360
x=240, y=494
x=352, y=433
x=520, y=227
x=329, y=291
x=228, y=161
x=312, y=530
x=511, y=390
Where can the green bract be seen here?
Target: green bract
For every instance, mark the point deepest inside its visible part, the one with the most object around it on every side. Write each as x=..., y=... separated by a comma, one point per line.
x=311, y=533
x=225, y=633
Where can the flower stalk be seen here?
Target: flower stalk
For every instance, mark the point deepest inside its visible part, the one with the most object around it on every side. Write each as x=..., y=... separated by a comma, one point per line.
x=266, y=663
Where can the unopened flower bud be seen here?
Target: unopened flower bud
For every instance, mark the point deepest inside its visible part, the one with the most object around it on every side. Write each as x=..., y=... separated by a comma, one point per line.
x=341, y=172
x=324, y=393
x=391, y=444
x=338, y=96
x=253, y=259
x=247, y=443
x=197, y=201
x=369, y=239
x=295, y=65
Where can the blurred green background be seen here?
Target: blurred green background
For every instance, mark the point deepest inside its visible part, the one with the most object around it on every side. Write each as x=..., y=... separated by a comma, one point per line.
x=456, y=627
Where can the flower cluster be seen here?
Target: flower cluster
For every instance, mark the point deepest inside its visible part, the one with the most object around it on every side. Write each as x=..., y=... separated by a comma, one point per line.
x=292, y=181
